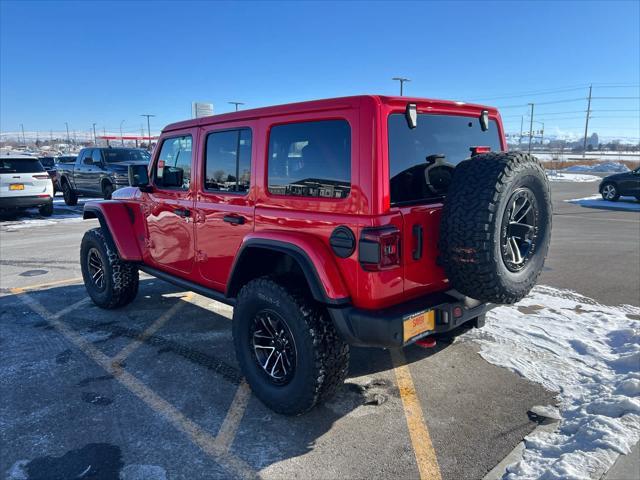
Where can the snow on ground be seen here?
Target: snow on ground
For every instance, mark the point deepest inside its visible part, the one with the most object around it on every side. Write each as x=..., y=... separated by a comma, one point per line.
x=555, y=176
x=31, y=218
x=588, y=353
x=628, y=204
x=606, y=167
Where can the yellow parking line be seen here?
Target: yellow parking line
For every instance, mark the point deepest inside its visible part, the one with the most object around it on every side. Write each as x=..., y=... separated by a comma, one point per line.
x=229, y=427
x=204, y=440
x=418, y=431
x=153, y=328
x=40, y=286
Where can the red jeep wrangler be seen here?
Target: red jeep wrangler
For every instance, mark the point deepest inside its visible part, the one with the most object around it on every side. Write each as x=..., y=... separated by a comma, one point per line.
x=368, y=220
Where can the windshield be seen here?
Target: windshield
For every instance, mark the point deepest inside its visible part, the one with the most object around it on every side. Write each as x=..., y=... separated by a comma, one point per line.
x=116, y=155
x=450, y=136
x=20, y=165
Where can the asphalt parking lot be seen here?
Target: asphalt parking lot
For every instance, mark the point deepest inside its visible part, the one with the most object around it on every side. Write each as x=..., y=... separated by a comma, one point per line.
x=153, y=390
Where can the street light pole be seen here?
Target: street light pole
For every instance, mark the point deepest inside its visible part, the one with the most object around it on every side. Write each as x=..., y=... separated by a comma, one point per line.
x=24, y=140
x=401, y=80
x=530, y=127
x=68, y=139
x=586, y=125
x=148, y=115
x=95, y=141
x=236, y=104
x=121, y=137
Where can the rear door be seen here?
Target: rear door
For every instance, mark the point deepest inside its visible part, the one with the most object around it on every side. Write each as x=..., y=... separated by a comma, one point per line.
x=225, y=201
x=168, y=209
x=445, y=139
x=82, y=170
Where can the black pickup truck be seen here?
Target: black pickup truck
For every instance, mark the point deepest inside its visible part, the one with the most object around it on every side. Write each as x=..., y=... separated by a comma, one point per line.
x=98, y=172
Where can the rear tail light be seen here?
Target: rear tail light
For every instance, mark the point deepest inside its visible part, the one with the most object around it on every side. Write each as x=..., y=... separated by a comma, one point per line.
x=42, y=177
x=379, y=248
x=478, y=150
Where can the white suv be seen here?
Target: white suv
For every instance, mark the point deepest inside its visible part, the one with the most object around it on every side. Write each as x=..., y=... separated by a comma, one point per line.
x=24, y=183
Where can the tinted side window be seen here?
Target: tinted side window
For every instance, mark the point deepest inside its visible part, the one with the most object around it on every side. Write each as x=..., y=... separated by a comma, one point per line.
x=310, y=159
x=228, y=161
x=173, y=168
x=97, y=156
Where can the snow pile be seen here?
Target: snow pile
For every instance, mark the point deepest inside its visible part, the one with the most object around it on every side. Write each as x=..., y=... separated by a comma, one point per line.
x=40, y=222
x=555, y=176
x=596, y=201
x=588, y=353
x=606, y=167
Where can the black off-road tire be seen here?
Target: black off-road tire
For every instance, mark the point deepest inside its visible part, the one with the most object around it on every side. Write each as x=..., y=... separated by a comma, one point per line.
x=70, y=197
x=120, y=277
x=46, y=210
x=322, y=357
x=472, y=226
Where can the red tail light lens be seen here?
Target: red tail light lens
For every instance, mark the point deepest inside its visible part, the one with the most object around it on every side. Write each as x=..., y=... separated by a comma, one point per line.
x=42, y=177
x=379, y=248
x=478, y=150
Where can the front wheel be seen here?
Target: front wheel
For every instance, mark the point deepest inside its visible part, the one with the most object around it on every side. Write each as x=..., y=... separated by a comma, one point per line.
x=107, y=191
x=110, y=282
x=287, y=347
x=610, y=192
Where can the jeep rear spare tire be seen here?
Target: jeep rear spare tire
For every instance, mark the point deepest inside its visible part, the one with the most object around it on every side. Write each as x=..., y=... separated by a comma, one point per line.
x=496, y=226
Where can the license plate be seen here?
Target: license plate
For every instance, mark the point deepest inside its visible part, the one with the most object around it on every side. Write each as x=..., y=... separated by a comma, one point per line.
x=419, y=323
x=16, y=186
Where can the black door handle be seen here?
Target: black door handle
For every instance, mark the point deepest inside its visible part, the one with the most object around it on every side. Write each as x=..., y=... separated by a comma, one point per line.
x=182, y=212
x=235, y=219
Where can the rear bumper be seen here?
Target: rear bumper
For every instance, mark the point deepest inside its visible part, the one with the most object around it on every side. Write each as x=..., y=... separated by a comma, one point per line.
x=7, y=203
x=386, y=328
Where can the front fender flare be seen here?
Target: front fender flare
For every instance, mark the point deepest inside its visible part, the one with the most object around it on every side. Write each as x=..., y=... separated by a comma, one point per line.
x=316, y=262
x=116, y=220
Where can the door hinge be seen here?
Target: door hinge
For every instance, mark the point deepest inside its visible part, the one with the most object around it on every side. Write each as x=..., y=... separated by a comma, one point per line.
x=201, y=256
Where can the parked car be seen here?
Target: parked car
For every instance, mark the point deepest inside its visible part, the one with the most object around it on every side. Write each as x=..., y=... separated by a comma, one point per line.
x=50, y=166
x=625, y=184
x=370, y=220
x=98, y=172
x=24, y=183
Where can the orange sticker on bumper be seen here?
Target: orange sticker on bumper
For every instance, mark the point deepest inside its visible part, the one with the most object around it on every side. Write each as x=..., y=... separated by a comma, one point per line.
x=418, y=323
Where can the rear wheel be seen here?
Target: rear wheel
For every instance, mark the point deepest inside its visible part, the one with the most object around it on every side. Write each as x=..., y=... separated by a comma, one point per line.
x=110, y=282
x=496, y=226
x=287, y=347
x=70, y=197
x=46, y=210
x=610, y=192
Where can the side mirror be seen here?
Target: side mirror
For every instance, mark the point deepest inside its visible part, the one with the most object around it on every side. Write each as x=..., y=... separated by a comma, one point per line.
x=139, y=176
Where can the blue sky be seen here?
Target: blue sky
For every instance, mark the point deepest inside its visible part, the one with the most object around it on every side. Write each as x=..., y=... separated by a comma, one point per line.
x=104, y=62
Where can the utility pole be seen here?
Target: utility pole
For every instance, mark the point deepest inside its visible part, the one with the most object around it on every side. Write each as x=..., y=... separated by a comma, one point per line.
x=148, y=115
x=121, y=137
x=401, y=80
x=68, y=139
x=586, y=125
x=236, y=104
x=24, y=140
x=531, y=127
x=542, y=136
x=95, y=141
x=521, y=124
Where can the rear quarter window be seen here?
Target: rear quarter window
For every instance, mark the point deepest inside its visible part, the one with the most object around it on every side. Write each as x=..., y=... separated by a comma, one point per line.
x=310, y=159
